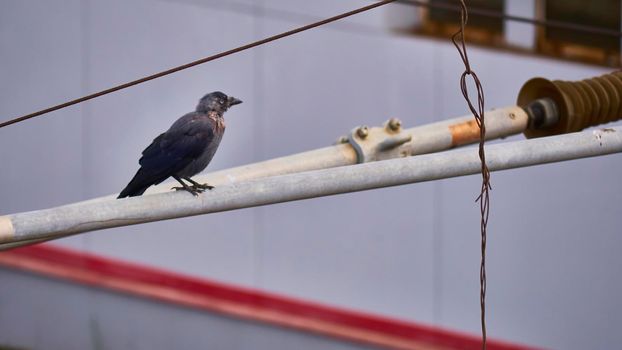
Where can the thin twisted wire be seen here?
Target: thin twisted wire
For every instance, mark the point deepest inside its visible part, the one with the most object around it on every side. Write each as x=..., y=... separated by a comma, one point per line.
x=459, y=42
x=195, y=63
x=444, y=6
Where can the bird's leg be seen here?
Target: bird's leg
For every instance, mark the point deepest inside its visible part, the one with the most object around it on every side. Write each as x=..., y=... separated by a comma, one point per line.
x=196, y=185
x=195, y=191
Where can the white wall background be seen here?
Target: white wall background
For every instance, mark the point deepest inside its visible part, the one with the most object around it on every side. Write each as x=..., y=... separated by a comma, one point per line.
x=410, y=252
x=94, y=322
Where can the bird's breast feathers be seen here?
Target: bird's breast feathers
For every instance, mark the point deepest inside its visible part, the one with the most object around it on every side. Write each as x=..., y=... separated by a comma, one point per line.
x=219, y=121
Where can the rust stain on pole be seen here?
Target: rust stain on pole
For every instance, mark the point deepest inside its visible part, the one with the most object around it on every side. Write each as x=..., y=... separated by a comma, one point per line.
x=464, y=133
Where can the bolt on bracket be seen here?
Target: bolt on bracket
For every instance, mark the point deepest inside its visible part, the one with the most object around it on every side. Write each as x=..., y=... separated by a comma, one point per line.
x=378, y=143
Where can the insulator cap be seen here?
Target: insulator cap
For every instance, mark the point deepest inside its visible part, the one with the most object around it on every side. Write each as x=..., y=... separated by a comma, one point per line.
x=580, y=104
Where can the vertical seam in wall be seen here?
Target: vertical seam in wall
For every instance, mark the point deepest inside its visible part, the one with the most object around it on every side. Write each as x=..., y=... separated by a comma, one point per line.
x=258, y=140
x=437, y=229
x=85, y=61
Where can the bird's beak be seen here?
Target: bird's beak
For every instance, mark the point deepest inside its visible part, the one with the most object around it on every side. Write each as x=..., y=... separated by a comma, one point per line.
x=233, y=101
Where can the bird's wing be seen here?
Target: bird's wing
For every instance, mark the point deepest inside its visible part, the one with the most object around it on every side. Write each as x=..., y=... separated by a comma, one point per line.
x=175, y=149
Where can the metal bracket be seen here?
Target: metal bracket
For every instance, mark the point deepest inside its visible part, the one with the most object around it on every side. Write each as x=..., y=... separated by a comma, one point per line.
x=378, y=143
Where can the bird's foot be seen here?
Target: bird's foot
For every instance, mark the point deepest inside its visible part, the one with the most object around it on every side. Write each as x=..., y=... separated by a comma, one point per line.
x=195, y=191
x=204, y=186
x=197, y=185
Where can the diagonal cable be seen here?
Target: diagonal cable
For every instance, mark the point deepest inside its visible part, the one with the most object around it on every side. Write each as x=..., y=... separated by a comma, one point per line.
x=195, y=63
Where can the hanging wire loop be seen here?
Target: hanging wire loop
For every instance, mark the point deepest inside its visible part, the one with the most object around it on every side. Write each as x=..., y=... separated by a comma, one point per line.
x=459, y=42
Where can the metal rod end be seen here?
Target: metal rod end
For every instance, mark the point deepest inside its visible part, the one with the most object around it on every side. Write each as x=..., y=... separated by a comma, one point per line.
x=7, y=231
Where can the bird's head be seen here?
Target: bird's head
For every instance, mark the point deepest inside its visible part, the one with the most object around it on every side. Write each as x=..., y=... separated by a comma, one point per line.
x=216, y=101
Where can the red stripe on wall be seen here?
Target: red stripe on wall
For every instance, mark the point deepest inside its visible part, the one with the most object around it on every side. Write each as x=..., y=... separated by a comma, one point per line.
x=236, y=301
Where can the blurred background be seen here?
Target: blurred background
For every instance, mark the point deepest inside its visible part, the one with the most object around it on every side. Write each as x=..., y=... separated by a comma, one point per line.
x=410, y=253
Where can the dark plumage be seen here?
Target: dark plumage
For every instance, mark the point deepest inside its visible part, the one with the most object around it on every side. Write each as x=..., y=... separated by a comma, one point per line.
x=185, y=149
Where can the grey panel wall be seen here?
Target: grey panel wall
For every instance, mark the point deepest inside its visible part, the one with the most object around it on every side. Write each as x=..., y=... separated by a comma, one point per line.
x=92, y=319
x=40, y=65
x=410, y=252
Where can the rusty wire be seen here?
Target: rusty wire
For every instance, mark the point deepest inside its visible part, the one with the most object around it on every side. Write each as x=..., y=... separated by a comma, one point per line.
x=196, y=63
x=443, y=6
x=459, y=42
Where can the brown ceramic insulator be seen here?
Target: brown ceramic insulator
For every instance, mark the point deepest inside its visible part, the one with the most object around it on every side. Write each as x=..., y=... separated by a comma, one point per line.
x=581, y=104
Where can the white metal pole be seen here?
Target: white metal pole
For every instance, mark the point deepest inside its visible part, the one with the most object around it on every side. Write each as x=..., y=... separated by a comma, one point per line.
x=83, y=217
x=434, y=137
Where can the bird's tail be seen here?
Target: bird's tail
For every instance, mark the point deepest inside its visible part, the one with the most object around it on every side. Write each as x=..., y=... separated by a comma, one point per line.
x=137, y=186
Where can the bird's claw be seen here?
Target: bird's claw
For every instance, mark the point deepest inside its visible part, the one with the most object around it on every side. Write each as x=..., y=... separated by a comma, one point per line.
x=195, y=191
x=203, y=186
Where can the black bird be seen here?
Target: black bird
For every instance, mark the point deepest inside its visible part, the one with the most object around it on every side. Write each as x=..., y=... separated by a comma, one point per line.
x=185, y=149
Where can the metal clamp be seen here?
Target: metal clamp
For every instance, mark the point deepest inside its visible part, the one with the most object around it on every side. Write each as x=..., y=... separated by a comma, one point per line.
x=378, y=143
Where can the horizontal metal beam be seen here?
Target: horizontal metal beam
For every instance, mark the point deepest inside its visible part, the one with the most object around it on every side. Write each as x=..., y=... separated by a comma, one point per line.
x=83, y=217
x=429, y=138
x=434, y=137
